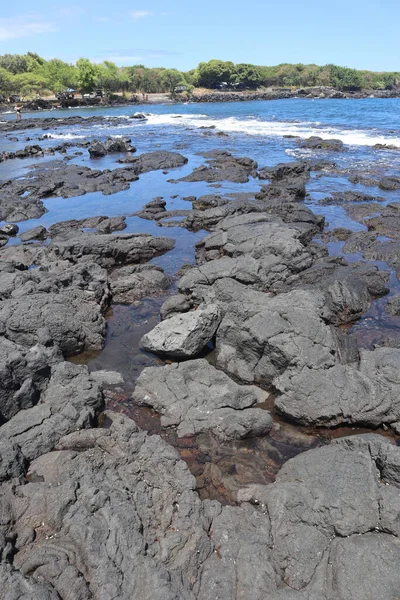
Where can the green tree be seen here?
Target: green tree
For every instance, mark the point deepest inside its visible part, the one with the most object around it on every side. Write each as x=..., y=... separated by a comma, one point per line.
x=171, y=78
x=87, y=75
x=6, y=81
x=214, y=72
x=247, y=76
x=344, y=78
x=108, y=76
x=28, y=83
x=59, y=74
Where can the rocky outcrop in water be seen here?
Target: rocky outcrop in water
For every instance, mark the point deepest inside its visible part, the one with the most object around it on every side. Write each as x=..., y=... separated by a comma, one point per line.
x=223, y=166
x=317, y=143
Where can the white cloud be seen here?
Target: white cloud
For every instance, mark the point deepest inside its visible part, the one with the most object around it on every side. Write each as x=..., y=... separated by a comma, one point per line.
x=24, y=26
x=140, y=14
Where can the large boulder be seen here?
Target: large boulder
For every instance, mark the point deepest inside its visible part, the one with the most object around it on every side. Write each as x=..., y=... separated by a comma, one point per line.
x=260, y=337
x=59, y=304
x=195, y=397
x=183, y=335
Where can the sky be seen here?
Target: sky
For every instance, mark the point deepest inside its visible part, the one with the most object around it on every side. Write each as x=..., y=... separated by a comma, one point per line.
x=362, y=34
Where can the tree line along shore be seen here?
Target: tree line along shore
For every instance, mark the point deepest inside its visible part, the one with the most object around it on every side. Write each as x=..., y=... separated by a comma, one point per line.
x=30, y=76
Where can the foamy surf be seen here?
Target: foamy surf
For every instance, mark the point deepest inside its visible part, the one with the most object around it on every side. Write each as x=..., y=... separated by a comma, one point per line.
x=258, y=127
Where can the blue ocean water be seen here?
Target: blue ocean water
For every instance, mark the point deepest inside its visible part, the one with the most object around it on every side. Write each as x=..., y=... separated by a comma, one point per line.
x=258, y=129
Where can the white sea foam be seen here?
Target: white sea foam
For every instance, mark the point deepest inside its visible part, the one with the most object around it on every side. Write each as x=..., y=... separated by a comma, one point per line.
x=66, y=136
x=251, y=126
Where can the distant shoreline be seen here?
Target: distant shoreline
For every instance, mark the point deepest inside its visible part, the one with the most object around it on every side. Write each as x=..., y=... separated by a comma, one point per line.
x=206, y=97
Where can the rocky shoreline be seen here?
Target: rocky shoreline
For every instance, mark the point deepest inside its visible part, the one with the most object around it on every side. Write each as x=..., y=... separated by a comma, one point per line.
x=93, y=506
x=210, y=96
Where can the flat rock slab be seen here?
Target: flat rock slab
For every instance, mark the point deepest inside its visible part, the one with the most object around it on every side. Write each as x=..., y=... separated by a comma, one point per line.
x=184, y=335
x=196, y=397
x=110, y=250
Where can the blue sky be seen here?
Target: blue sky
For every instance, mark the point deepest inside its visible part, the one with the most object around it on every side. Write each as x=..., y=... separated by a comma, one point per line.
x=355, y=33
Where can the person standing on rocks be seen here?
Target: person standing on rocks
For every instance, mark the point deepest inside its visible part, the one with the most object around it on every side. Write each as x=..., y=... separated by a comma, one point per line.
x=18, y=112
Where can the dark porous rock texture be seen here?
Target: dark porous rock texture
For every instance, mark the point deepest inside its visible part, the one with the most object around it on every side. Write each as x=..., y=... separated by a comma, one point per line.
x=260, y=337
x=70, y=402
x=183, y=335
x=287, y=182
x=350, y=197
x=110, y=250
x=10, y=229
x=111, y=224
x=316, y=143
x=24, y=374
x=223, y=166
x=98, y=149
x=284, y=171
x=389, y=183
x=124, y=506
x=358, y=212
x=154, y=161
x=58, y=179
x=152, y=209
x=393, y=306
x=372, y=249
x=36, y=233
x=341, y=234
x=349, y=288
x=253, y=249
x=62, y=305
x=286, y=190
x=119, y=145
x=14, y=208
x=195, y=397
x=387, y=223
x=112, y=513
x=289, y=212
x=131, y=283
x=367, y=393
x=175, y=305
